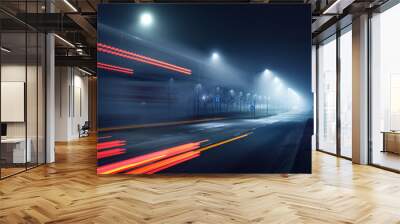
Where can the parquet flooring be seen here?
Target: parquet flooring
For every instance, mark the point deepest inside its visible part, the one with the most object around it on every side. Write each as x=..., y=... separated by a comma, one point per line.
x=69, y=191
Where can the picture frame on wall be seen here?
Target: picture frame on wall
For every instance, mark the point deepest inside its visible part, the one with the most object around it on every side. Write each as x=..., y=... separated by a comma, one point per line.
x=204, y=88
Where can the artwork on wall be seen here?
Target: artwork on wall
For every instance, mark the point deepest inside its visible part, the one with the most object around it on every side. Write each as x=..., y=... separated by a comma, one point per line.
x=204, y=88
x=12, y=99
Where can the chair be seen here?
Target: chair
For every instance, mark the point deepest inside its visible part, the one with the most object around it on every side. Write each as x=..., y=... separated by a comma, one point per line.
x=84, y=130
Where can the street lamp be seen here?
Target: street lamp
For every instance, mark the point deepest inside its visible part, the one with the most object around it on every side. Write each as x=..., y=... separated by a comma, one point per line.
x=214, y=56
x=267, y=73
x=240, y=101
x=197, y=90
x=146, y=19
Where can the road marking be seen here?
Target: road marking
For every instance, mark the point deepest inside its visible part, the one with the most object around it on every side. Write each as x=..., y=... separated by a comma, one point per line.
x=172, y=161
x=159, y=124
x=223, y=142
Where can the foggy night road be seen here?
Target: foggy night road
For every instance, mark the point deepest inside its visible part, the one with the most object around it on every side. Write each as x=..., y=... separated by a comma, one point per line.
x=288, y=150
x=158, y=79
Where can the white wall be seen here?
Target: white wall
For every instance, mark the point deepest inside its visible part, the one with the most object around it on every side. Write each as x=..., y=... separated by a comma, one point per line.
x=13, y=101
x=62, y=82
x=16, y=72
x=80, y=110
x=33, y=127
x=71, y=102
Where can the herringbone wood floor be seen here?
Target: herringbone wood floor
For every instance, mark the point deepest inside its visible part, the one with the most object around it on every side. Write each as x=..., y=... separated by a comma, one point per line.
x=69, y=191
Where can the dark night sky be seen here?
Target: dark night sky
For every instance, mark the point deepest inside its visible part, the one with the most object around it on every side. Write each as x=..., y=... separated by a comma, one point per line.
x=249, y=37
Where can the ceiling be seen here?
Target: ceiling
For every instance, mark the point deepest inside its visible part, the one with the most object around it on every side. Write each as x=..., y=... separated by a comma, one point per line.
x=74, y=21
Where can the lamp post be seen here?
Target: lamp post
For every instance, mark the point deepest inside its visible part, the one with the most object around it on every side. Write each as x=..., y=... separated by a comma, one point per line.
x=254, y=105
x=218, y=100
x=169, y=98
x=146, y=19
x=248, y=104
x=240, y=101
x=196, y=97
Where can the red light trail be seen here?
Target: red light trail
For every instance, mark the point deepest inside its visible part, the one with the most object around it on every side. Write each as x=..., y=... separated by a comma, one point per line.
x=164, y=164
x=110, y=144
x=137, y=57
x=114, y=68
x=142, y=57
x=147, y=158
x=156, y=161
x=111, y=152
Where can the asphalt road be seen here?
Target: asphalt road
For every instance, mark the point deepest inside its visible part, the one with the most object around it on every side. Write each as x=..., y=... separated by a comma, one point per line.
x=277, y=144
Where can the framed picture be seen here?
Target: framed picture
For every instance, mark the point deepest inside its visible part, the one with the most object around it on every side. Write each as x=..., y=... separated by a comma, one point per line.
x=204, y=88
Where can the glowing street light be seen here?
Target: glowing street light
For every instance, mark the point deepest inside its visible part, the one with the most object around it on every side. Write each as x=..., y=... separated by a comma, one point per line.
x=267, y=72
x=146, y=19
x=214, y=56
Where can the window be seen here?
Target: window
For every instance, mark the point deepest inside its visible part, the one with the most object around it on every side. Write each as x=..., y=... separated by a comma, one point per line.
x=22, y=93
x=346, y=93
x=385, y=88
x=327, y=96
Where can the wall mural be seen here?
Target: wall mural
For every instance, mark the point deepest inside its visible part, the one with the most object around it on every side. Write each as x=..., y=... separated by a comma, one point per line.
x=204, y=88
